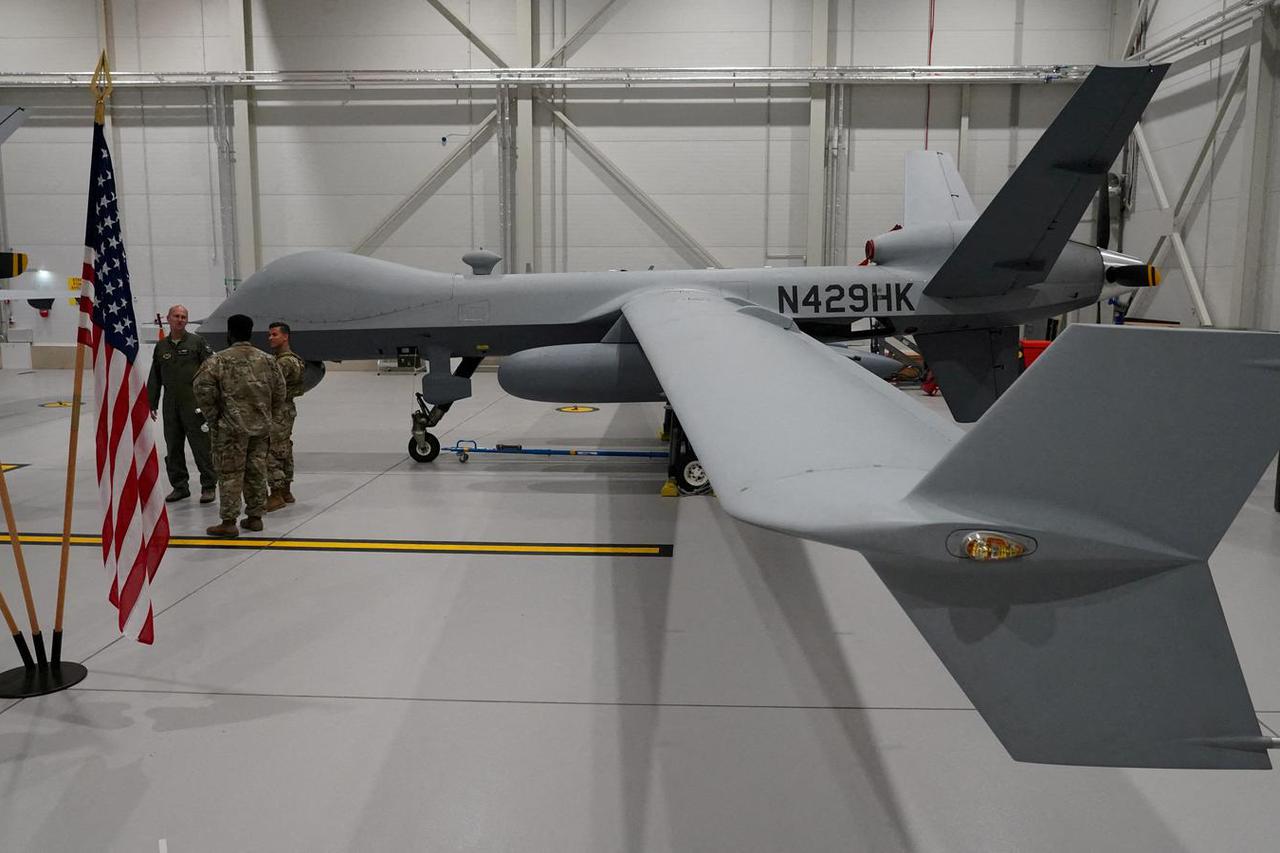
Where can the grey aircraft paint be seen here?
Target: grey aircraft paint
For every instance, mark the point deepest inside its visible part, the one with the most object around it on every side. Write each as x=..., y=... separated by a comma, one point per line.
x=370, y=307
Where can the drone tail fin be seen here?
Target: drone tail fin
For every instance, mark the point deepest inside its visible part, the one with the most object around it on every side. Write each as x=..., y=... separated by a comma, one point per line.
x=1105, y=642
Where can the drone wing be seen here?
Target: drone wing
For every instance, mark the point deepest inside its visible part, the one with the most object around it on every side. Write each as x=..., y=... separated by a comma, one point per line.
x=1105, y=644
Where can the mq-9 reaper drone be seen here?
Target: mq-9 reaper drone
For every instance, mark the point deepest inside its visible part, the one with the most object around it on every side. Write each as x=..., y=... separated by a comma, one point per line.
x=1054, y=556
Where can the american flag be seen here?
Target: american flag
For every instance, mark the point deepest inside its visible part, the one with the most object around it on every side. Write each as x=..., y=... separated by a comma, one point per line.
x=135, y=526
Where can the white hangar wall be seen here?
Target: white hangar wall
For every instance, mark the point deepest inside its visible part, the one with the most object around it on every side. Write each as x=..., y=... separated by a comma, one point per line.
x=161, y=140
x=1231, y=218
x=731, y=166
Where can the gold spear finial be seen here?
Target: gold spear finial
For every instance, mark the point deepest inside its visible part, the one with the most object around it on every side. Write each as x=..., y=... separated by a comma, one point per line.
x=101, y=87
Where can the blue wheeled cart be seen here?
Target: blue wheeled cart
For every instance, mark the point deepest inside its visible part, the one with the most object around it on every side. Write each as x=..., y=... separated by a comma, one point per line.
x=685, y=474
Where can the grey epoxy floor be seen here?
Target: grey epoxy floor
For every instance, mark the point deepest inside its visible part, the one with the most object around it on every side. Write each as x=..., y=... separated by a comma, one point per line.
x=753, y=692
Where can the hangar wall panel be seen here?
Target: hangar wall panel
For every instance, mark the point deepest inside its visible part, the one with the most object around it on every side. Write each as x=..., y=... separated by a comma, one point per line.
x=1176, y=125
x=1269, y=294
x=161, y=141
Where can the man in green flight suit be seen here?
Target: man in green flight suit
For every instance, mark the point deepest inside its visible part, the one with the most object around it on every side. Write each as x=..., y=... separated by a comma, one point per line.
x=173, y=367
x=242, y=394
x=281, y=460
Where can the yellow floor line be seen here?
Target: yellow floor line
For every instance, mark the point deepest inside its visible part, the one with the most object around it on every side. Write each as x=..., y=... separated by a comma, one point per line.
x=368, y=546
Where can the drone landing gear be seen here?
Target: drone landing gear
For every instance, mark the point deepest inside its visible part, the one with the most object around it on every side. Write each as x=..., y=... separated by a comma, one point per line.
x=423, y=446
x=685, y=474
x=445, y=389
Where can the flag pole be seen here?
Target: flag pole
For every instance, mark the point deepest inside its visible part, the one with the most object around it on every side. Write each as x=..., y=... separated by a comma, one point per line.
x=19, y=640
x=38, y=678
x=101, y=88
x=36, y=639
x=19, y=682
x=77, y=394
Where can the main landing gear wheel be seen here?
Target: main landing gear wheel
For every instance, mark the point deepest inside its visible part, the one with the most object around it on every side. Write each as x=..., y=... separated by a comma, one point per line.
x=692, y=479
x=428, y=451
x=682, y=463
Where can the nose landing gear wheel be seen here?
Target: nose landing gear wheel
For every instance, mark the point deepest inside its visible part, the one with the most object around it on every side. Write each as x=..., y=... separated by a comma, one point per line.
x=429, y=451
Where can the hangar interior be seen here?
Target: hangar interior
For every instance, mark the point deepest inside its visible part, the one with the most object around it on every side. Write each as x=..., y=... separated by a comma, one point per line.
x=741, y=690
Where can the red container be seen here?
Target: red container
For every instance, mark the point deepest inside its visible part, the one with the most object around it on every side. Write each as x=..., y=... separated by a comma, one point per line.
x=1031, y=350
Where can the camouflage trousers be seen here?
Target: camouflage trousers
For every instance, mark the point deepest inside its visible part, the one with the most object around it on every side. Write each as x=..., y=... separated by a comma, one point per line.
x=281, y=455
x=241, y=462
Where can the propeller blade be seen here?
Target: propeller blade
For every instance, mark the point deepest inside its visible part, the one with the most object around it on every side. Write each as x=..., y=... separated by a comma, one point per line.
x=1103, y=217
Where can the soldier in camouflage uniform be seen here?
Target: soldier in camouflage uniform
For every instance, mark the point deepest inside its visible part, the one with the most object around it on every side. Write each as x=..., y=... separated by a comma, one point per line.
x=281, y=462
x=241, y=393
x=173, y=367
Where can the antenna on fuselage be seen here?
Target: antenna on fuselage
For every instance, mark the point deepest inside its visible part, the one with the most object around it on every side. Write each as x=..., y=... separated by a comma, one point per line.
x=481, y=261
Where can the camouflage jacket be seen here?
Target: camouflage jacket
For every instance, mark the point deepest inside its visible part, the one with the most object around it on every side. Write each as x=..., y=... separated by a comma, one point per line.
x=291, y=367
x=173, y=367
x=240, y=390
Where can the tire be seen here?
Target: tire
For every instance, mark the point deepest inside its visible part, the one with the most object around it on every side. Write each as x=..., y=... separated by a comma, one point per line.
x=692, y=479
x=433, y=449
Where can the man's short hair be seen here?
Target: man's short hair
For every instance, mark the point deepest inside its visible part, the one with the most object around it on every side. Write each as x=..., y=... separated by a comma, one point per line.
x=284, y=327
x=239, y=328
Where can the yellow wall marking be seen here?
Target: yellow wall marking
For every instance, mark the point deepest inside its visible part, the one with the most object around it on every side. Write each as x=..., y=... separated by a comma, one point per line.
x=577, y=410
x=378, y=546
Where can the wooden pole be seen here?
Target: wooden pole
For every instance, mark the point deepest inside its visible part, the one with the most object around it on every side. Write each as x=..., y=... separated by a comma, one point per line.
x=36, y=639
x=12, y=624
x=8, y=616
x=76, y=394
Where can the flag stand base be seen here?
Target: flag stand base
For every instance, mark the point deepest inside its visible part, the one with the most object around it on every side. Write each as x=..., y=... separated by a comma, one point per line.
x=24, y=682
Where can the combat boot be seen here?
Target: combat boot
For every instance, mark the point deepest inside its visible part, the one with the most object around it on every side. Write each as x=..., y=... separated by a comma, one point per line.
x=181, y=493
x=208, y=496
x=276, y=501
x=224, y=530
x=288, y=495
x=251, y=522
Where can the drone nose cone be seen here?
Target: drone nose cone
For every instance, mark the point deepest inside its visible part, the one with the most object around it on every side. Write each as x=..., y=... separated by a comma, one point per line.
x=322, y=291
